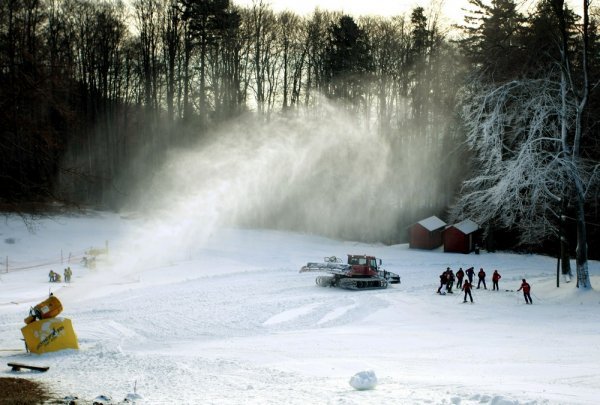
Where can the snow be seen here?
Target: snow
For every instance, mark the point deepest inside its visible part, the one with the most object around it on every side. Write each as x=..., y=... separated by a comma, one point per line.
x=230, y=320
x=466, y=226
x=365, y=380
x=432, y=223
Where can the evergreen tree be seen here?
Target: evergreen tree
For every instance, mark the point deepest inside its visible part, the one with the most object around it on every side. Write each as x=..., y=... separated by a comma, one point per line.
x=348, y=60
x=420, y=47
x=494, y=39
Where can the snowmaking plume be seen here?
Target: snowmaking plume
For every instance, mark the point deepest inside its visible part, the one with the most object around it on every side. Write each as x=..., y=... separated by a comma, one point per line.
x=326, y=175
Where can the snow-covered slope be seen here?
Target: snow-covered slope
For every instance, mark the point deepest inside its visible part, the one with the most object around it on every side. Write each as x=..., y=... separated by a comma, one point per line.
x=230, y=320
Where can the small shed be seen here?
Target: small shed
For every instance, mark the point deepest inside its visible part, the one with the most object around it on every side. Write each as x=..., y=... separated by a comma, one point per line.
x=426, y=234
x=461, y=237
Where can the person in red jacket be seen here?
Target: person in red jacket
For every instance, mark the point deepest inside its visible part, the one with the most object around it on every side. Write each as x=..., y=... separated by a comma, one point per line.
x=495, y=278
x=526, y=292
x=467, y=289
x=481, y=276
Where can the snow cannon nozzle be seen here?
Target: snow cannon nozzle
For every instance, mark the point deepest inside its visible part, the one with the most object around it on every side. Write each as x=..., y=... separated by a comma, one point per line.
x=49, y=308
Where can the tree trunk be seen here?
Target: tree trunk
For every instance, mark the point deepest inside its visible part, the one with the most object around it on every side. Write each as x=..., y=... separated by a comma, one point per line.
x=583, y=276
x=565, y=257
x=187, y=110
x=581, y=98
x=203, y=51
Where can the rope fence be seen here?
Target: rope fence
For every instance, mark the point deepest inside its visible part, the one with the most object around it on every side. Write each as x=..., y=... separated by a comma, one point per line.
x=73, y=257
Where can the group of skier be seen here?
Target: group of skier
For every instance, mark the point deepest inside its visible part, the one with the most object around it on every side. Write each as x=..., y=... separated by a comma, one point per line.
x=54, y=277
x=447, y=279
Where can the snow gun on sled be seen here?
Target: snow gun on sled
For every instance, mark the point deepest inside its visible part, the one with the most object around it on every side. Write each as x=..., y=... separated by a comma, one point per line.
x=45, y=332
x=361, y=272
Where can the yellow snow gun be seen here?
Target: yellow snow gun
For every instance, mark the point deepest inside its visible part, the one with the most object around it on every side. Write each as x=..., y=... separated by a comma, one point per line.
x=48, y=308
x=45, y=332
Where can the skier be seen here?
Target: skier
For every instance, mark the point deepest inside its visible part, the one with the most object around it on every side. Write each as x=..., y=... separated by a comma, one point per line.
x=450, y=282
x=51, y=276
x=68, y=274
x=470, y=274
x=495, y=278
x=460, y=274
x=467, y=289
x=481, y=276
x=526, y=292
x=443, y=281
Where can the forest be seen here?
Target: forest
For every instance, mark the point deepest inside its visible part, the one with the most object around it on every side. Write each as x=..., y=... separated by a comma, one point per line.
x=506, y=103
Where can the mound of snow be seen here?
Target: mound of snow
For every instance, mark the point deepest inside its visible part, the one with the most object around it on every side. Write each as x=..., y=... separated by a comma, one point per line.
x=364, y=380
x=132, y=397
x=102, y=400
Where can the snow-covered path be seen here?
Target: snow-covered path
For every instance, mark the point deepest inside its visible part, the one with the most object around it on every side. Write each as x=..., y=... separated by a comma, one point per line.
x=231, y=321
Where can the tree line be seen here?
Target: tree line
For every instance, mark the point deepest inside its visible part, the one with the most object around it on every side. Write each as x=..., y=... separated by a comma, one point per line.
x=93, y=82
x=88, y=87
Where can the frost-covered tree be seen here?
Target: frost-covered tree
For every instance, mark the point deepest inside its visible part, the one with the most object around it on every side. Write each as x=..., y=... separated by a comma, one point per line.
x=513, y=131
x=525, y=165
x=575, y=88
x=528, y=138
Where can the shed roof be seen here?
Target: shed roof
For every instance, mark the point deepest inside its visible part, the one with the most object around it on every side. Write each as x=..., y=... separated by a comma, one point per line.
x=432, y=223
x=466, y=226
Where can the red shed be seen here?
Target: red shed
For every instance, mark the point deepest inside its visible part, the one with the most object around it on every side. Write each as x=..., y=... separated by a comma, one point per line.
x=426, y=234
x=461, y=237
